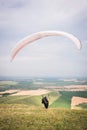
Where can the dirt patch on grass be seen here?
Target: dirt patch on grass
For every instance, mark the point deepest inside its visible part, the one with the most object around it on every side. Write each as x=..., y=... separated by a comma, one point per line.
x=31, y=92
x=77, y=100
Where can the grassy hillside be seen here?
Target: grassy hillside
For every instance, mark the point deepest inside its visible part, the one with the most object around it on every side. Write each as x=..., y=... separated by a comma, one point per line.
x=28, y=100
x=56, y=99
x=28, y=113
x=21, y=117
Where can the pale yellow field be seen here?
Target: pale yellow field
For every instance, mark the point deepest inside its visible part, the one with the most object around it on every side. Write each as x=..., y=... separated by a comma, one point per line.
x=26, y=92
x=76, y=101
x=68, y=88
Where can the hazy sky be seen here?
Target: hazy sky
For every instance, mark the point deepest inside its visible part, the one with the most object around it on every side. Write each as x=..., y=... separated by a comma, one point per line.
x=52, y=56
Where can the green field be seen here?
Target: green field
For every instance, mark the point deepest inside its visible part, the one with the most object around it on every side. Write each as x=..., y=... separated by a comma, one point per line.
x=35, y=84
x=64, y=101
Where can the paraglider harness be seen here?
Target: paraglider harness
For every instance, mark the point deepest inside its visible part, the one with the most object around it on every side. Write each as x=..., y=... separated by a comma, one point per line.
x=45, y=102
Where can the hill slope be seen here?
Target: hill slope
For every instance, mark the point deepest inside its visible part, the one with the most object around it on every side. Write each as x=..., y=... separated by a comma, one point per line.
x=21, y=117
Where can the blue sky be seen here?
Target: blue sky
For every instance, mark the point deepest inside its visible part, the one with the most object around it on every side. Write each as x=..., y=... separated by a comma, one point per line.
x=52, y=56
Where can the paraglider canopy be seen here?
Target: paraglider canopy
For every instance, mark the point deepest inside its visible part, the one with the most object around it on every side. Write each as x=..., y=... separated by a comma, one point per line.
x=31, y=38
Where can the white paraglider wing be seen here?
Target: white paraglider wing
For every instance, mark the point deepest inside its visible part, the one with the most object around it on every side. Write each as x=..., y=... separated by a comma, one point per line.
x=31, y=38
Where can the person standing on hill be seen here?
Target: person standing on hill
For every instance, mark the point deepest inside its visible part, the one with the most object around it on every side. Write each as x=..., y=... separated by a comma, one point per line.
x=45, y=102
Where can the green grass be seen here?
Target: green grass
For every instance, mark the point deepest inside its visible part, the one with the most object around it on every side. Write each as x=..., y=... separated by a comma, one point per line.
x=28, y=100
x=64, y=101
x=22, y=117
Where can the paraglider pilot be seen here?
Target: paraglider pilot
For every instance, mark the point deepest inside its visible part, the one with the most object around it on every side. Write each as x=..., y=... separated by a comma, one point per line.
x=45, y=102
